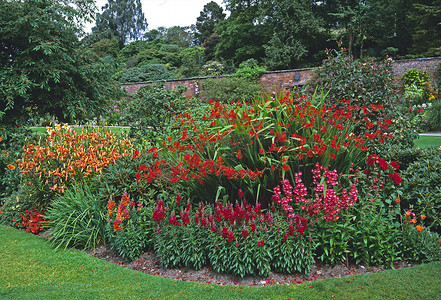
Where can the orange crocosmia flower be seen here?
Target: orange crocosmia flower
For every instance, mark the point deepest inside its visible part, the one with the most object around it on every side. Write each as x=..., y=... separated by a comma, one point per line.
x=414, y=221
x=423, y=217
x=419, y=228
x=398, y=200
x=11, y=167
x=1, y=139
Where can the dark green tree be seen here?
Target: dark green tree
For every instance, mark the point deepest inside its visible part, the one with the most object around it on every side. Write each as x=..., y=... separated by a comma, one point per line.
x=43, y=69
x=427, y=34
x=122, y=19
x=207, y=21
x=297, y=31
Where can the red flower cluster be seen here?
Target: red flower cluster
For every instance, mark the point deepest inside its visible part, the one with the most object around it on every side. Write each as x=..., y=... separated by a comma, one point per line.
x=374, y=160
x=33, y=221
x=121, y=211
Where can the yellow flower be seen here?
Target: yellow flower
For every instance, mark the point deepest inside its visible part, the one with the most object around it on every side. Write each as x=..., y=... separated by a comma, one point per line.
x=419, y=228
x=431, y=97
x=414, y=221
x=11, y=167
x=423, y=217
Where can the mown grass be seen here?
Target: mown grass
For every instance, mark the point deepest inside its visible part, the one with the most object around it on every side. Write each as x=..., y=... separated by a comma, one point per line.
x=43, y=130
x=427, y=141
x=31, y=269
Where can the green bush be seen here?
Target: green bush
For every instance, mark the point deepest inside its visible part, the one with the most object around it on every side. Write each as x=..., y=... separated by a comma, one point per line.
x=129, y=229
x=228, y=89
x=152, y=109
x=149, y=72
x=415, y=77
x=361, y=82
x=404, y=156
x=420, y=246
x=250, y=70
x=12, y=140
x=77, y=219
x=434, y=116
x=421, y=187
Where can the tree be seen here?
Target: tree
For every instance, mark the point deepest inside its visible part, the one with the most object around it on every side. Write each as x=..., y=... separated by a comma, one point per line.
x=427, y=35
x=122, y=19
x=42, y=67
x=297, y=31
x=209, y=17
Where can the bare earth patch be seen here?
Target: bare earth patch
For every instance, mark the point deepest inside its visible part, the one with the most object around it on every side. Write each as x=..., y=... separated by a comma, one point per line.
x=149, y=263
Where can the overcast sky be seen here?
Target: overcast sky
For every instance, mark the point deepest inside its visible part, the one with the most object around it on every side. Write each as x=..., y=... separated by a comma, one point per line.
x=168, y=13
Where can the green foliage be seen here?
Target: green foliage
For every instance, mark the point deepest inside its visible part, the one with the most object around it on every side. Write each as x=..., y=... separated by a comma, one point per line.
x=250, y=70
x=212, y=68
x=421, y=246
x=404, y=156
x=415, y=77
x=226, y=89
x=42, y=66
x=192, y=61
x=208, y=18
x=434, y=116
x=361, y=82
x=194, y=238
x=149, y=72
x=152, y=109
x=106, y=47
x=121, y=19
x=77, y=218
x=119, y=178
x=129, y=229
x=422, y=187
x=12, y=140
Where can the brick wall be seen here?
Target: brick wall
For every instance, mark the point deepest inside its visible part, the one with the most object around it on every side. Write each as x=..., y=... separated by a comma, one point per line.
x=278, y=81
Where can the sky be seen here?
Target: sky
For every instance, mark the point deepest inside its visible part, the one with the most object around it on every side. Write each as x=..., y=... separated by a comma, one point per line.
x=168, y=13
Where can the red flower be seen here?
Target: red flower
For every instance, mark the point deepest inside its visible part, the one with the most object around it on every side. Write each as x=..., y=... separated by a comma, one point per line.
x=332, y=156
x=261, y=243
x=395, y=165
x=240, y=193
x=245, y=233
x=395, y=177
x=239, y=154
x=286, y=167
x=383, y=164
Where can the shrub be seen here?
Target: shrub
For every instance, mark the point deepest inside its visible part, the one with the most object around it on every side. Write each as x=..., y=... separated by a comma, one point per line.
x=250, y=70
x=148, y=72
x=77, y=219
x=434, y=116
x=419, y=243
x=422, y=187
x=362, y=82
x=152, y=109
x=12, y=140
x=228, y=89
x=415, y=77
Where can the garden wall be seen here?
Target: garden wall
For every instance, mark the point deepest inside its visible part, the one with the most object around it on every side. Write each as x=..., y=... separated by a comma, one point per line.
x=278, y=81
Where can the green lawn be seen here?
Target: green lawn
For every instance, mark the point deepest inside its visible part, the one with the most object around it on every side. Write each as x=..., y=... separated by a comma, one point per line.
x=428, y=141
x=31, y=269
x=43, y=130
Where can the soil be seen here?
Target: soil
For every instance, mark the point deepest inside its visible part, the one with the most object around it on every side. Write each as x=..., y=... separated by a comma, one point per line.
x=149, y=263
